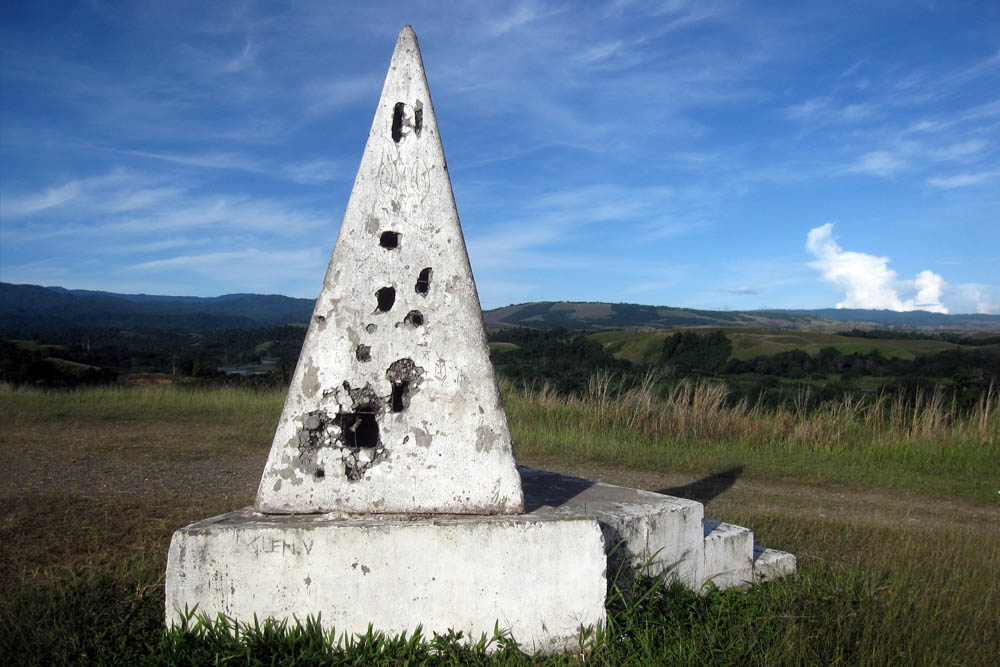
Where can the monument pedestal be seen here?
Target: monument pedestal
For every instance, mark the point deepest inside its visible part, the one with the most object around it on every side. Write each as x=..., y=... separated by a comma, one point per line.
x=540, y=575
x=540, y=578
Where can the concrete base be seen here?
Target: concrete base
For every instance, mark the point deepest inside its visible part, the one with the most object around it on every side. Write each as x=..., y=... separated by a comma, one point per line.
x=644, y=532
x=728, y=555
x=539, y=578
x=771, y=564
x=540, y=575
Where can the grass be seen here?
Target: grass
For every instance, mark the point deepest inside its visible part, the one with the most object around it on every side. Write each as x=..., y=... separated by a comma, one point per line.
x=924, y=445
x=895, y=567
x=644, y=347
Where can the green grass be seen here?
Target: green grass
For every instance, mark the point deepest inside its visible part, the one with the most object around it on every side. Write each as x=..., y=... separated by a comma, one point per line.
x=892, y=514
x=643, y=347
x=923, y=446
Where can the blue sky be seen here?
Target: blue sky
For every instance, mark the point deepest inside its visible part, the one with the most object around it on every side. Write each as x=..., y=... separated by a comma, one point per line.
x=703, y=154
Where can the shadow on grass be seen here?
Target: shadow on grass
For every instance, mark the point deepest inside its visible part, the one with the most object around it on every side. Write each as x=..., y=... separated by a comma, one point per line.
x=707, y=488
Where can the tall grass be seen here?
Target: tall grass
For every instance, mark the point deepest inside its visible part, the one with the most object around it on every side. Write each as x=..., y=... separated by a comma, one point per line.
x=81, y=568
x=121, y=402
x=639, y=423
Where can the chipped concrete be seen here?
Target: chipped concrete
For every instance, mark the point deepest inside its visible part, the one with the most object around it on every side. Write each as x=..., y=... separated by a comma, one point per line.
x=399, y=285
x=540, y=574
x=538, y=577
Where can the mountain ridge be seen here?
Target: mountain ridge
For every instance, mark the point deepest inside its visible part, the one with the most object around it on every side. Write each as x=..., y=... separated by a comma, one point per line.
x=27, y=307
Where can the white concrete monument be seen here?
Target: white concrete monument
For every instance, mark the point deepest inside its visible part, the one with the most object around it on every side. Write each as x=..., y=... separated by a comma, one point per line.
x=390, y=496
x=394, y=406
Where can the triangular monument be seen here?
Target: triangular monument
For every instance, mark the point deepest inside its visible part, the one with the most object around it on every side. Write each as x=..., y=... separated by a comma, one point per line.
x=390, y=498
x=394, y=407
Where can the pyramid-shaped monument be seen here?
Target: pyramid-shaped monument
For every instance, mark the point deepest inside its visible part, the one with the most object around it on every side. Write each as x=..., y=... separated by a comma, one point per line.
x=390, y=499
x=394, y=407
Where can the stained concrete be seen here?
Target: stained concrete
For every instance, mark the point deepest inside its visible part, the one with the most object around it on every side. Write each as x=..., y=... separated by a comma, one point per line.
x=394, y=406
x=645, y=532
x=537, y=577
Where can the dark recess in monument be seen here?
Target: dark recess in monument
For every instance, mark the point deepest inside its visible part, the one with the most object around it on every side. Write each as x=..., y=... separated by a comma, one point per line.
x=405, y=377
x=320, y=473
x=389, y=240
x=424, y=281
x=399, y=391
x=414, y=318
x=397, y=121
x=363, y=353
x=358, y=429
x=418, y=118
x=386, y=297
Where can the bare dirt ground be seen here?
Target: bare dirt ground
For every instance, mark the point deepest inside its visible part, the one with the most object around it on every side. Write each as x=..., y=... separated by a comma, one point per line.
x=232, y=478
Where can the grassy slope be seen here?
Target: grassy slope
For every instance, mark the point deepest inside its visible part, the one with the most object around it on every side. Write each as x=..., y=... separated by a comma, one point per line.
x=894, y=568
x=642, y=347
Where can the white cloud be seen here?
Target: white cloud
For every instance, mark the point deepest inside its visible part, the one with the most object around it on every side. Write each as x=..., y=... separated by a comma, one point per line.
x=962, y=180
x=824, y=110
x=877, y=163
x=17, y=207
x=979, y=296
x=867, y=280
x=930, y=286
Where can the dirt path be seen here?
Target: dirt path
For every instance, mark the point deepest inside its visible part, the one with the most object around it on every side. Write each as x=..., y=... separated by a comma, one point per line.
x=728, y=490
x=234, y=477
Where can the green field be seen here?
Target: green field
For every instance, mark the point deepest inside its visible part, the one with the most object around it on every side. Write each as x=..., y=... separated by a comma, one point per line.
x=643, y=347
x=891, y=508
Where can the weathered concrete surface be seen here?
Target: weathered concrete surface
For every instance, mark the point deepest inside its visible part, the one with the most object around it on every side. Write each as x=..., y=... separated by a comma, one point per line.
x=771, y=564
x=539, y=577
x=644, y=532
x=394, y=406
x=656, y=535
x=728, y=555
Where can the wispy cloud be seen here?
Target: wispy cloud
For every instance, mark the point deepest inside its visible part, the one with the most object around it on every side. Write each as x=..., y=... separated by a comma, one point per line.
x=825, y=110
x=877, y=163
x=962, y=180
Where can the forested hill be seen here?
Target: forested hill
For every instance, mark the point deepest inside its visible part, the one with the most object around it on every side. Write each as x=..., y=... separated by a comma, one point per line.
x=27, y=308
x=594, y=315
x=30, y=309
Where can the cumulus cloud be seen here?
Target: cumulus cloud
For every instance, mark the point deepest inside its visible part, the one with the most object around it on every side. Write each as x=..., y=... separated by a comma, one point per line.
x=867, y=280
x=979, y=296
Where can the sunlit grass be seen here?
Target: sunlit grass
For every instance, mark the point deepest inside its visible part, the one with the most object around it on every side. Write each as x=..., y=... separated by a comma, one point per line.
x=892, y=442
x=82, y=575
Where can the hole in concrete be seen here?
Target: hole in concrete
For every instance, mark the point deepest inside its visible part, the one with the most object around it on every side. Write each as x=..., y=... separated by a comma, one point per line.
x=405, y=377
x=418, y=117
x=386, y=297
x=358, y=429
x=320, y=473
x=414, y=318
x=363, y=353
x=424, y=281
x=389, y=240
x=397, y=121
x=371, y=328
x=399, y=391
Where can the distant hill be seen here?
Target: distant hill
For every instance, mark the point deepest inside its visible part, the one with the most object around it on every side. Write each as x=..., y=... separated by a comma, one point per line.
x=906, y=319
x=24, y=308
x=594, y=316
